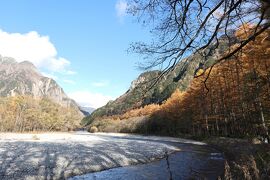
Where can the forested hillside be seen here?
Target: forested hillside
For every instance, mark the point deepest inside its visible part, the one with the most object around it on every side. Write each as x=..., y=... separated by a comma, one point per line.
x=24, y=113
x=140, y=94
x=231, y=100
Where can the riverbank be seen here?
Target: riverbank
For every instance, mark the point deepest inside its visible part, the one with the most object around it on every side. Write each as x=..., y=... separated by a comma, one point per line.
x=244, y=159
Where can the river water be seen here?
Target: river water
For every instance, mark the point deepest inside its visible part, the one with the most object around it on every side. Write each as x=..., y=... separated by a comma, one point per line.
x=192, y=161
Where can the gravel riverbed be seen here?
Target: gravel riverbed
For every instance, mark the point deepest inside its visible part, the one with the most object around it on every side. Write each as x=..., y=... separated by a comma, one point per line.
x=63, y=155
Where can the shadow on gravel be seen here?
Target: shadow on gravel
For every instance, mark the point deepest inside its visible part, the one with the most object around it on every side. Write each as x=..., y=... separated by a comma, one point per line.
x=67, y=158
x=47, y=160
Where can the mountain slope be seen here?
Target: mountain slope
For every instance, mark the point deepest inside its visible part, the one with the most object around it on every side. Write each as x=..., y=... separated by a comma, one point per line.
x=179, y=78
x=24, y=79
x=135, y=96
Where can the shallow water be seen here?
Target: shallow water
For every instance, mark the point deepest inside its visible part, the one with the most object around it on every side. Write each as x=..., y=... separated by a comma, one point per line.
x=191, y=162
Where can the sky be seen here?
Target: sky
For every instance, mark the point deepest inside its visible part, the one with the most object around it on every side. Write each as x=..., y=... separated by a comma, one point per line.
x=81, y=44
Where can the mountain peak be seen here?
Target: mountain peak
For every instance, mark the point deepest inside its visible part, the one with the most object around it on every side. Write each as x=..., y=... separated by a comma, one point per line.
x=7, y=60
x=27, y=63
x=28, y=66
x=10, y=60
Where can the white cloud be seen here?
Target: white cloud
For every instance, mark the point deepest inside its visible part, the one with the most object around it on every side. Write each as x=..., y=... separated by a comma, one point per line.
x=69, y=72
x=52, y=76
x=56, y=65
x=100, y=84
x=121, y=8
x=32, y=47
x=89, y=99
x=68, y=81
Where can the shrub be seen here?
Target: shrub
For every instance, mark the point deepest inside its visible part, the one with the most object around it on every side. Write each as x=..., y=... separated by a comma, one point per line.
x=93, y=129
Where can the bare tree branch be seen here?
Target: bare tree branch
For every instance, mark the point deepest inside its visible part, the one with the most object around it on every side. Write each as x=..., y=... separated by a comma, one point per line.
x=183, y=27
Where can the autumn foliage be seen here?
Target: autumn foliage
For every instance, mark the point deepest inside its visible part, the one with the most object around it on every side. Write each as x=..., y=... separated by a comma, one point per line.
x=143, y=111
x=24, y=113
x=234, y=101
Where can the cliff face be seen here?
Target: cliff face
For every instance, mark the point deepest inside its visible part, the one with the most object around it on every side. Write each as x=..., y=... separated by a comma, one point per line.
x=24, y=79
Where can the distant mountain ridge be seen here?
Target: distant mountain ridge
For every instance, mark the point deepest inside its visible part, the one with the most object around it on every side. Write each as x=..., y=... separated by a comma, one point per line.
x=86, y=110
x=23, y=78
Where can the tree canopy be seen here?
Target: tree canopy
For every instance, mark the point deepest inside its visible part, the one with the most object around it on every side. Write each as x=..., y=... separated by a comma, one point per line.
x=183, y=27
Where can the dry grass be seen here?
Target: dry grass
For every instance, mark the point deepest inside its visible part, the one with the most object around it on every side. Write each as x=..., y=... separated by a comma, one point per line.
x=245, y=159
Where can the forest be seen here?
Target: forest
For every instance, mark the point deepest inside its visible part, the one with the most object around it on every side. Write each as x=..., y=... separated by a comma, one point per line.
x=24, y=113
x=229, y=99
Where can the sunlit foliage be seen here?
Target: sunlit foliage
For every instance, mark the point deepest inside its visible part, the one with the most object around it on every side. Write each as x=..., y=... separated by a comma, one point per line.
x=234, y=101
x=23, y=113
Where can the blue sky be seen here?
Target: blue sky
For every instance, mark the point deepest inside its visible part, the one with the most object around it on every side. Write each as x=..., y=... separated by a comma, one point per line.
x=82, y=44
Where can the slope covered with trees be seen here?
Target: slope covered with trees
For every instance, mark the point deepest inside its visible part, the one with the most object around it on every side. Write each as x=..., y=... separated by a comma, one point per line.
x=233, y=100
x=141, y=93
x=24, y=113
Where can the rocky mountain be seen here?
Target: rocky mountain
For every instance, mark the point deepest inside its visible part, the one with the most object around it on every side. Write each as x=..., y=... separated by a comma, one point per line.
x=139, y=93
x=23, y=78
